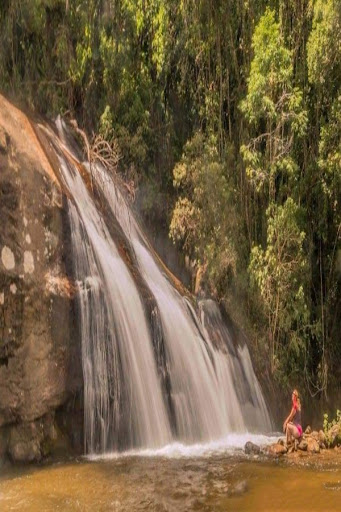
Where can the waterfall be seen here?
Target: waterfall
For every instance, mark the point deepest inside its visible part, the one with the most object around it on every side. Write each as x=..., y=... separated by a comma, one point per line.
x=152, y=374
x=123, y=402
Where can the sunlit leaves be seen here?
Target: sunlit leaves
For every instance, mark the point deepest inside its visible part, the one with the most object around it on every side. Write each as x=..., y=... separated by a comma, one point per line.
x=330, y=158
x=273, y=106
x=324, y=45
x=278, y=272
x=204, y=218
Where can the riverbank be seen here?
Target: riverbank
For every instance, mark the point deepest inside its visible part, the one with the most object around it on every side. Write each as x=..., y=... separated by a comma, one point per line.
x=326, y=446
x=326, y=459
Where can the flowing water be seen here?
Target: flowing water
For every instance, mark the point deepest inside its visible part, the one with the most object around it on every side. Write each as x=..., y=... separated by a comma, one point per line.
x=177, y=481
x=154, y=370
x=118, y=362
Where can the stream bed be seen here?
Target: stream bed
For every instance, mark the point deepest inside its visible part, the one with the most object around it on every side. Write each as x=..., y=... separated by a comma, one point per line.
x=175, y=481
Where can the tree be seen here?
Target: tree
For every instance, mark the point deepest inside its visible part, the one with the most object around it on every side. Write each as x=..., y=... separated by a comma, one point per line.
x=324, y=211
x=324, y=48
x=273, y=107
x=204, y=218
x=278, y=273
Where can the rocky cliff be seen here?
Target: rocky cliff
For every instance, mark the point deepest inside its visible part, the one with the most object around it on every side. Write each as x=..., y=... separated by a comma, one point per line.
x=40, y=361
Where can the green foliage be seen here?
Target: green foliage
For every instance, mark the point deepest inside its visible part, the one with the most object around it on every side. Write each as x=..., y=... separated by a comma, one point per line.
x=327, y=425
x=229, y=114
x=271, y=69
x=324, y=45
x=204, y=218
x=279, y=274
x=273, y=106
x=324, y=68
x=330, y=158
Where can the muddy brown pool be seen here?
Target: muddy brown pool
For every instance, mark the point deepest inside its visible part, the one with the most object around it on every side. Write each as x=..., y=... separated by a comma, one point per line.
x=214, y=483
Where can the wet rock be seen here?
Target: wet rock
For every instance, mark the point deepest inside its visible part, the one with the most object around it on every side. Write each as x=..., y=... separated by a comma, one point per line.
x=251, y=448
x=277, y=449
x=315, y=434
x=40, y=363
x=303, y=445
x=26, y=451
x=24, y=443
x=281, y=441
x=291, y=449
x=3, y=444
x=313, y=445
x=308, y=430
x=321, y=438
x=3, y=140
x=31, y=441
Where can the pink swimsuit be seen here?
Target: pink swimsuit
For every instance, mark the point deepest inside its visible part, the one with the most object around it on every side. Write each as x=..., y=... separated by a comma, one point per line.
x=297, y=420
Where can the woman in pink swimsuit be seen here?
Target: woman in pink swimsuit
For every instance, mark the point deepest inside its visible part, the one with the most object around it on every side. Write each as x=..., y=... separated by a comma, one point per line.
x=292, y=425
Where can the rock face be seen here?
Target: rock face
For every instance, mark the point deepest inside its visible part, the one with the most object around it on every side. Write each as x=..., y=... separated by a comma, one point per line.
x=40, y=362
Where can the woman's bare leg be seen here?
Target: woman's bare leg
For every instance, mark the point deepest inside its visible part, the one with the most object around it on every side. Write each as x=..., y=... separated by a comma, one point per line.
x=292, y=432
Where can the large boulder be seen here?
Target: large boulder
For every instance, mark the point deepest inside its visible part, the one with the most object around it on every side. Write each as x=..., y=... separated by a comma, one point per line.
x=40, y=363
x=312, y=445
x=322, y=439
x=303, y=445
x=277, y=449
x=251, y=448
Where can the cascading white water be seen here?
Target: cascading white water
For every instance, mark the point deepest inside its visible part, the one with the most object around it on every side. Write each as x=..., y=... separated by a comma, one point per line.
x=239, y=366
x=204, y=381
x=118, y=362
x=138, y=390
